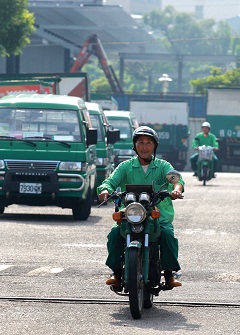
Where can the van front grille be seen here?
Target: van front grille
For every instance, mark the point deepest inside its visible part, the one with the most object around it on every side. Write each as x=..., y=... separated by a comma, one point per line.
x=31, y=165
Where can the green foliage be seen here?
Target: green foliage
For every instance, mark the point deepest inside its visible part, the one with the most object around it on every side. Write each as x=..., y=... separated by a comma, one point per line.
x=98, y=81
x=217, y=79
x=180, y=33
x=188, y=35
x=101, y=85
x=135, y=77
x=184, y=34
x=16, y=25
x=235, y=46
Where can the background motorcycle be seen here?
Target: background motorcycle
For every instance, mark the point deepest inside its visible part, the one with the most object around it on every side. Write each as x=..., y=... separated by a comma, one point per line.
x=205, y=164
x=136, y=214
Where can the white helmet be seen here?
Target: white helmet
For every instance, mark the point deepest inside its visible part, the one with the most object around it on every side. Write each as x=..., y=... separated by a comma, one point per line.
x=206, y=124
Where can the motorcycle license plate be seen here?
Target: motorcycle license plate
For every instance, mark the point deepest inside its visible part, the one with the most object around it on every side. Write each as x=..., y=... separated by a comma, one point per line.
x=30, y=188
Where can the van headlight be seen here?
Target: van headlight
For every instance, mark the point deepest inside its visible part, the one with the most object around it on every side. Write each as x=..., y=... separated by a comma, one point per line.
x=126, y=152
x=135, y=213
x=72, y=166
x=102, y=161
x=2, y=165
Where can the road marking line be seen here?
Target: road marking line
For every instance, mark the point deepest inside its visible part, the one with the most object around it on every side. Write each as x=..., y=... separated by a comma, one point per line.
x=85, y=245
x=56, y=270
x=4, y=267
x=44, y=270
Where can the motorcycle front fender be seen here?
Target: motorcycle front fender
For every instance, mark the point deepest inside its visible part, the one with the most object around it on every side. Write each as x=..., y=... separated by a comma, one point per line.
x=202, y=163
x=135, y=244
x=145, y=260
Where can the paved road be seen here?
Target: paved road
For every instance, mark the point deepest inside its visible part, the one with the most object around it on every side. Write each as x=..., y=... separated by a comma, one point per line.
x=45, y=254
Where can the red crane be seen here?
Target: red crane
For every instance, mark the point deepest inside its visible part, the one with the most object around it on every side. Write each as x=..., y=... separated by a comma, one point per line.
x=93, y=45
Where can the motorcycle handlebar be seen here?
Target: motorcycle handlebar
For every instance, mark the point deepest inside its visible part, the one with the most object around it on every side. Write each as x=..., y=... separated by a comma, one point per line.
x=119, y=195
x=114, y=196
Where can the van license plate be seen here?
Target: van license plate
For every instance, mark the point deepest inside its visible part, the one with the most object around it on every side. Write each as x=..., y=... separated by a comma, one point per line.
x=32, y=188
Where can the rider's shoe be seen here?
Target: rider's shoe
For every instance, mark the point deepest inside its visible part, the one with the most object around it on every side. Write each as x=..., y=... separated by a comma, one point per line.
x=195, y=174
x=113, y=280
x=172, y=282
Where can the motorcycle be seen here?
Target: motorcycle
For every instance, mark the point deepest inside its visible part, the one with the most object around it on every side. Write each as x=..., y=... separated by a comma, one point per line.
x=205, y=164
x=136, y=213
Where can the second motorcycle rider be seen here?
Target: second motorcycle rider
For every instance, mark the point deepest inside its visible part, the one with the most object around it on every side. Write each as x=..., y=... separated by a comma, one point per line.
x=144, y=169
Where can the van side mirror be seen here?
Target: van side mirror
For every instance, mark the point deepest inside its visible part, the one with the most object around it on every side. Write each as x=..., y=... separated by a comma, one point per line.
x=91, y=136
x=113, y=135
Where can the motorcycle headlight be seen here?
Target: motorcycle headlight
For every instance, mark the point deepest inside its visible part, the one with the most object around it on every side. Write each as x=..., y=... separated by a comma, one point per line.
x=135, y=213
x=144, y=198
x=129, y=198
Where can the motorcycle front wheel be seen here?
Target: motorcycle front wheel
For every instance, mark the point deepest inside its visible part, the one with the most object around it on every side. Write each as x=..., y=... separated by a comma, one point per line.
x=205, y=174
x=135, y=285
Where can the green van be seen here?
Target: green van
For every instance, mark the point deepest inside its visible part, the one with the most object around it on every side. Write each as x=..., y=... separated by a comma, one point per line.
x=126, y=122
x=47, y=152
x=105, y=139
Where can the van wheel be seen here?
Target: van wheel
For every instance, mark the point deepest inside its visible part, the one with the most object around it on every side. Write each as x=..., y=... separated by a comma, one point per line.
x=82, y=210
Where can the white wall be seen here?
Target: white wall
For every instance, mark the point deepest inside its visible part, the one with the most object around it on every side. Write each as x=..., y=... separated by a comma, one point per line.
x=216, y=9
x=137, y=6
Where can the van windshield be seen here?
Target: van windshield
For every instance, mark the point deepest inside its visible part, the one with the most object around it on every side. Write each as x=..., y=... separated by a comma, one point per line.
x=57, y=125
x=96, y=123
x=124, y=127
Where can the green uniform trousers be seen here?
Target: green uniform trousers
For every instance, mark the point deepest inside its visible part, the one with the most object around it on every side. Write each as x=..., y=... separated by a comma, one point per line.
x=168, y=248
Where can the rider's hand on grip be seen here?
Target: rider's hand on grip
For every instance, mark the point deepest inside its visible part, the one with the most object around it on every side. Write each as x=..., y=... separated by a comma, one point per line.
x=176, y=195
x=103, y=196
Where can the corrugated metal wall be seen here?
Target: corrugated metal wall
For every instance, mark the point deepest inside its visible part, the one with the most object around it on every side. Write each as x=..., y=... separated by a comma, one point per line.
x=2, y=64
x=42, y=59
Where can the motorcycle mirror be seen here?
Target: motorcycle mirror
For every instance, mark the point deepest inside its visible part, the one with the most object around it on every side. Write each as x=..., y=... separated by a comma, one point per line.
x=173, y=176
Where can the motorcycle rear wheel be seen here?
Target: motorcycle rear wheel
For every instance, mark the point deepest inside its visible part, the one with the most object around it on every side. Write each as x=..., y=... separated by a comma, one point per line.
x=135, y=285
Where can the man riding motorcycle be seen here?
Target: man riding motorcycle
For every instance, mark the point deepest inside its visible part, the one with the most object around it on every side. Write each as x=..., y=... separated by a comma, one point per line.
x=144, y=169
x=204, y=138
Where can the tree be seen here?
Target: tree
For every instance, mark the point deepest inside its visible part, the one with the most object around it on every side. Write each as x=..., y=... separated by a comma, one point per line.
x=217, y=79
x=16, y=25
x=185, y=34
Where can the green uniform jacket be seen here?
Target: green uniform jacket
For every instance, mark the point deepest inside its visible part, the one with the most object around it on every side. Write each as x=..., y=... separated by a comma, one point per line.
x=210, y=140
x=131, y=172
